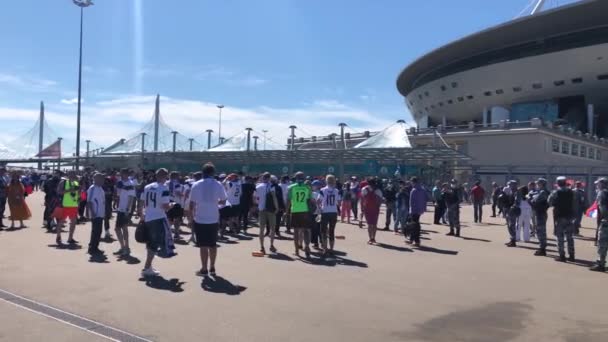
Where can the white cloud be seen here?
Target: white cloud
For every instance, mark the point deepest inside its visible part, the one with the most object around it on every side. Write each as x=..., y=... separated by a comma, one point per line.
x=26, y=82
x=71, y=101
x=215, y=73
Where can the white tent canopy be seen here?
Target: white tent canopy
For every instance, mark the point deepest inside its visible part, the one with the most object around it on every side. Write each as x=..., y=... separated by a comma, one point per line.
x=394, y=136
x=236, y=143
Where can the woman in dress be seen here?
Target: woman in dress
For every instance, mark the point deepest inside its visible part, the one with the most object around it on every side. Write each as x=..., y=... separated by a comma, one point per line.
x=16, y=201
x=371, y=200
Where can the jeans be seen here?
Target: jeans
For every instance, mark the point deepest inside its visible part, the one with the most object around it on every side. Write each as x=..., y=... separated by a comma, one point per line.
x=439, y=211
x=454, y=218
x=564, y=230
x=512, y=226
x=316, y=230
x=477, y=210
x=391, y=213
x=2, y=207
x=96, y=227
x=354, y=205
x=541, y=229
x=577, y=221
x=402, y=215
x=494, y=205
x=328, y=229
x=244, y=215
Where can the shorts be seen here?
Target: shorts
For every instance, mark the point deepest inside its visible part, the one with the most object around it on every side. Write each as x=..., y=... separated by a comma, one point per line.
x=122, y=219
x=155, y=234
x=300, y=220
x=176, y=212
x=228, y=212
x=206, y=234
x=64, y=213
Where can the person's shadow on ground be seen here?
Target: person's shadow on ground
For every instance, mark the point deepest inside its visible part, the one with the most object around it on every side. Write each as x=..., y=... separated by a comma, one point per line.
x=437, y=250
x=219, y=284
x=160, y=283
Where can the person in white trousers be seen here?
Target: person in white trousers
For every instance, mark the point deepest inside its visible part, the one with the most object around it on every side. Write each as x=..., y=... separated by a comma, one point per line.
x=524, y=220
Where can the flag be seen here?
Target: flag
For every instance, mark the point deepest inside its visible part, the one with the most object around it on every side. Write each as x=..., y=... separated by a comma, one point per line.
x=592, y=211
x=53, y=150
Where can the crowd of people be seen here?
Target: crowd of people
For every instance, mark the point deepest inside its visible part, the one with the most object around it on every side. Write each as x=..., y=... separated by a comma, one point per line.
x=215, y=205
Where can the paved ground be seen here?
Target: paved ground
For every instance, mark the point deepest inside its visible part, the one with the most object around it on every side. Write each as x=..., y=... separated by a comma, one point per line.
x=468, y=289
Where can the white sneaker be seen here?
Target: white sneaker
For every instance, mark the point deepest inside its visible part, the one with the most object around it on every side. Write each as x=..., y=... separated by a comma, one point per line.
x=149, y=272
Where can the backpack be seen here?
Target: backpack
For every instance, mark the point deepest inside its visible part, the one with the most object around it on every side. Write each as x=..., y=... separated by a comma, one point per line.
x=269, y=204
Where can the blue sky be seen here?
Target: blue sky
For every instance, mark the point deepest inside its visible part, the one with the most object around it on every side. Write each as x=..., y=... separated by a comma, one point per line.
x=271, y=62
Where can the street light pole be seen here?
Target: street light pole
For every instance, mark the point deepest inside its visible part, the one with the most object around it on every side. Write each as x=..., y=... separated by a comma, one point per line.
x=219, y=132
x=82, y=4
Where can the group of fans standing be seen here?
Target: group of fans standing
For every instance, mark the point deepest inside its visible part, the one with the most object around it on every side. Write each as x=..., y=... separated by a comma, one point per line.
x=215, y=205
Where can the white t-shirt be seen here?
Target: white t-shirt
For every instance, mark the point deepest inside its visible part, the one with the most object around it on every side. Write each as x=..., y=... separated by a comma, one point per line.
x=329, y=198
x=176, y=191
x=155, y=196
x=97, y=197
x=206, y=194
x=260, y=193
x=124, y=189
x=285, y=189
x=234, y=191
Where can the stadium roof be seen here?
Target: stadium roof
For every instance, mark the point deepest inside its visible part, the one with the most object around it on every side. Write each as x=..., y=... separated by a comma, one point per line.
x=394, y=136
x=576, y=17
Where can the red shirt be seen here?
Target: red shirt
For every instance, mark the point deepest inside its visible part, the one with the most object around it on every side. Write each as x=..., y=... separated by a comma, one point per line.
x=478, y=193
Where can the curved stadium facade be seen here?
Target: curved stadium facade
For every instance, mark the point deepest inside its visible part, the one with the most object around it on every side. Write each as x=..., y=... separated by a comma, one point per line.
x=552, y=65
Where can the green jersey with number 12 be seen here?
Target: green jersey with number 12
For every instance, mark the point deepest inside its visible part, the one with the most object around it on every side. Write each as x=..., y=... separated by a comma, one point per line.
x=299, y=196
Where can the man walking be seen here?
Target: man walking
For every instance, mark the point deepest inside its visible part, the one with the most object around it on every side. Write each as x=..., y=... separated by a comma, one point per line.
x=329, y=201
x=452, y=197
x=69, y=190
x=564, y=206
x=390, y=199
x=437, y=202
x=581, y=206
x=417, y=208
x=96, y=201
x=300, y=196
x=602, y=243
x=478, y=194
x=206, y=196
x=3, y=194
x=125, y=193
x=510, y=204
x=496, y=192
x=540, y=204
x=268, y=207
x=155, y=201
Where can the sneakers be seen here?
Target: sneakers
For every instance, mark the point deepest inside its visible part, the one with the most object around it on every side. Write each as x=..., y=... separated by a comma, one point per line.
x=511, y=244
x=540, y=252
x=571, y=258
x=273, y=249
x=212, y=272
x=108, y=236
x=149, y=272
x=202, y=273
x=95, y=251
x=598, y=268
x=561, y=258
x=72, y=242
x=450, y=234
